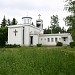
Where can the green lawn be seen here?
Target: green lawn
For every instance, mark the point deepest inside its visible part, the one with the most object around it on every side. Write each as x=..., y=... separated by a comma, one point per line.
x=37, y=61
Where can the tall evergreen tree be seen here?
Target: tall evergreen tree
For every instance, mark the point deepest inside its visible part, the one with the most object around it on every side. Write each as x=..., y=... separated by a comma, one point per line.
x=4, y=22
x=9, y=22
x=14, y=22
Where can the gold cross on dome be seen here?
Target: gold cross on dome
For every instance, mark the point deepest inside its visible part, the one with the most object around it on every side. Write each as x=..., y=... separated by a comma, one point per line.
x=15, y=32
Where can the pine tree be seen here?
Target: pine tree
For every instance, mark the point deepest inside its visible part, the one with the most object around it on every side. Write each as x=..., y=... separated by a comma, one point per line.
x=4, y=22
x=9, y=22
x=14, y=22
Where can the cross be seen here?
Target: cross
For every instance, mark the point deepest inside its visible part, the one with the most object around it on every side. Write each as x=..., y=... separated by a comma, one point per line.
x=27, y=14
x=15, y=32
x=39, y=16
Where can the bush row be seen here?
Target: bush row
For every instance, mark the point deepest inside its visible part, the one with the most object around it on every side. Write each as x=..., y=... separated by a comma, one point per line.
x=11, y=46
x=72, y=44
x=58, y=44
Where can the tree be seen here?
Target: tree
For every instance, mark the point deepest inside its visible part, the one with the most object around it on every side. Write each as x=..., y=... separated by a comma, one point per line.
x=47, y=31
x=69, y=30
x=70, y=6
x=4, y=22
x=58, y=29
x=70, y=20
x=55, y=24
x=14, y=21
x=9, y=22
x=63, y=30
x=3, y=36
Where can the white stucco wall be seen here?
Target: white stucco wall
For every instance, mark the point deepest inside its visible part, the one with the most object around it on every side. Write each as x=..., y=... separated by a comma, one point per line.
x=12, y=39
x=44, y=39
x=34, y=31
x=26, y=36
x=35, y=40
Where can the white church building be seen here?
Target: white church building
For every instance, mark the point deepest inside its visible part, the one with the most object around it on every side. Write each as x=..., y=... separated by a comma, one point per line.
x=27, y=34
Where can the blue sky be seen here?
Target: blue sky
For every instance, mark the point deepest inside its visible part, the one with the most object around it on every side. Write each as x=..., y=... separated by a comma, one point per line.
x=19, y=8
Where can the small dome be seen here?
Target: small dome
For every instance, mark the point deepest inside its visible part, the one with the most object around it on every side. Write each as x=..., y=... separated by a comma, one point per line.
x=26, y=20
x=26, y=17
x=39, y=20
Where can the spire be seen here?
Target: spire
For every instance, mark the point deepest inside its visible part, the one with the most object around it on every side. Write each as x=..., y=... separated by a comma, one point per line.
x=39, y=16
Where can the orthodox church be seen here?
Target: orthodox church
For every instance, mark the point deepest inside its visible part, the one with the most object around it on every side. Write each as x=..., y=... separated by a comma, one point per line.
x=27, y=34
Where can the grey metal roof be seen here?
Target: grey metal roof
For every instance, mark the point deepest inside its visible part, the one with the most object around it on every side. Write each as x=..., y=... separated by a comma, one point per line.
x=27, y=17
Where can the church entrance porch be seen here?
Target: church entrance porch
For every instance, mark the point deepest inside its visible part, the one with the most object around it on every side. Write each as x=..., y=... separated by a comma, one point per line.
x=31, y=40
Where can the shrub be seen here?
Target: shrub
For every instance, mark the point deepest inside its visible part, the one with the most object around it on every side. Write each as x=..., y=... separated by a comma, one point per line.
x=12, y=46
x=72, y=44
x=39, y=45
x=59, y=44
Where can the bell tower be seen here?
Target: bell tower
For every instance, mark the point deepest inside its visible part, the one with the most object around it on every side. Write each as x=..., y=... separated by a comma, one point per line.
x=39, y=22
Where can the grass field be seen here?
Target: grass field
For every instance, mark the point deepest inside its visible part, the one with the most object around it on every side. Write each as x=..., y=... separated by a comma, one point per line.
x=37, y=61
